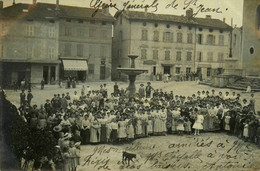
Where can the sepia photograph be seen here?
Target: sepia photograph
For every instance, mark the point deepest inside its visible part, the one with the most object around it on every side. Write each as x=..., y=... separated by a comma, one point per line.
x=129, y=85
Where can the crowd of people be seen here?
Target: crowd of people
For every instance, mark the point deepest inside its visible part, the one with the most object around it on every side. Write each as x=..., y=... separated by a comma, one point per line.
x=96, y=116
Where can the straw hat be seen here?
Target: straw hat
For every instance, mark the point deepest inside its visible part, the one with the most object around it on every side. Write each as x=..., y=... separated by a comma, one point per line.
x=57, y=128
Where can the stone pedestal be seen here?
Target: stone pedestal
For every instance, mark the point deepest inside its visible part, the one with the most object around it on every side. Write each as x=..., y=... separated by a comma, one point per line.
x=131, y=87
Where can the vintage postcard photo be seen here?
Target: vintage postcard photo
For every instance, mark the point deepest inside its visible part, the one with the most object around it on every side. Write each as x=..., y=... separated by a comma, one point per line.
x=113, y=85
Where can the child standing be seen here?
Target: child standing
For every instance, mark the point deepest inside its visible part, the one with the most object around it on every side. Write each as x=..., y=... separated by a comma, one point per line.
x=198, y=125
x=245, y=132
x=180, y=126
x=187, y=126
x=227, y=119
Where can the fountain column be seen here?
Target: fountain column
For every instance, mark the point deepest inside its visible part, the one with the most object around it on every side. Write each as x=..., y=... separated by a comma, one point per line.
x=131, y=86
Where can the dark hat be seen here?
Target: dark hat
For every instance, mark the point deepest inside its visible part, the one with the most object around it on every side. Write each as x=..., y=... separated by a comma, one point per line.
x=47, y=100
x=141, y=84
x=148, y=82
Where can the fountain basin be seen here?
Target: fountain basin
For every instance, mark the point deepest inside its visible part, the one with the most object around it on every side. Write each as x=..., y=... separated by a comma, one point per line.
x=132, y=71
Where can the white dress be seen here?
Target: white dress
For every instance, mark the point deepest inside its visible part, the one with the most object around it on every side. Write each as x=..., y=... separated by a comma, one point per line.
x=150, y=126
x=163, y=122
x=199, y=122
x=121, y=129
x=130, y=131
x=227, y=119
x=139, y=129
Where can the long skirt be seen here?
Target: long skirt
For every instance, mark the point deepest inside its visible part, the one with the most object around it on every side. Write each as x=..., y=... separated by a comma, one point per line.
x=174, y=125
x=113, y=135
x=103, y=137
x=130, y=131
x=206, y=123
x=85, y=136
x=94, y=135
x=211, y=123
x=150, y=127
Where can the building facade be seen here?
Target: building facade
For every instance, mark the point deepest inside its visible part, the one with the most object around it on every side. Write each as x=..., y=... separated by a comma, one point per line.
x=52, y=42
x=251, y=37
x=168, y=44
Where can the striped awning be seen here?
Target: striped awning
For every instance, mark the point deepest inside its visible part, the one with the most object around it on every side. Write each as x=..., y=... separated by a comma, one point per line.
x=75, y=65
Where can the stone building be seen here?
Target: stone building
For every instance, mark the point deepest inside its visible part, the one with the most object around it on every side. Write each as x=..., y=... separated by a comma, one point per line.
x=251, y=37
x=169, y=44
x=52, y=41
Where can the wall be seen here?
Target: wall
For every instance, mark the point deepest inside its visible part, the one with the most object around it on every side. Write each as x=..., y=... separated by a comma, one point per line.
x=251, y=37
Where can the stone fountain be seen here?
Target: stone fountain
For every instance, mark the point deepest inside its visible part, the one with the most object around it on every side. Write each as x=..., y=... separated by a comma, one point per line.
x=132, y=72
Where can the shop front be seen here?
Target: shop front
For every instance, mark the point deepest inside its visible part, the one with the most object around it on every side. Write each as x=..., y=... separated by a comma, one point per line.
x=74, y=69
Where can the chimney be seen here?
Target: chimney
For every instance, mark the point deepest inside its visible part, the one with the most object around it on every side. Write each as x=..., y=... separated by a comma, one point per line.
x=189, y=13
x=231, y=22
x=57, y=5
x=208, y=16
x=1, y=5
x=34, y=2
x=224, y=20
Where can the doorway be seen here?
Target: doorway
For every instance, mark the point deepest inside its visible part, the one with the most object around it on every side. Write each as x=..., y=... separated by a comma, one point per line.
x=167, y=70
x=154, y=70
x=20, y=77
x=82, y=75
x=46, y=74
x=102, y=72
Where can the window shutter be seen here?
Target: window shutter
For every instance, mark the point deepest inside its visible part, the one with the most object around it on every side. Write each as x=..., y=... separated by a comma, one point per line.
x=164, y=36
x=171, y=37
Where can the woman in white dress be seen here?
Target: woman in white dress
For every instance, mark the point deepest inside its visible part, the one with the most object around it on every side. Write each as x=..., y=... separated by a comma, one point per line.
x=95, y=132
x=175, y=115
x=121, y=130
x=139, y=129
x=198, y=125
x=156, y=127
x=130, y=130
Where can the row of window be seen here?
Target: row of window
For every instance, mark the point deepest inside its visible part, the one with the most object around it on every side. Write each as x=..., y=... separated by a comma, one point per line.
x=168, y=37
x=80, y=32
x=188, y=70
x=210, y=57
x=103, y=50
x=80, y=21
x=30, y=31
x=167, y=55
x=169, y=25
x=178, y=70
x=29, y=52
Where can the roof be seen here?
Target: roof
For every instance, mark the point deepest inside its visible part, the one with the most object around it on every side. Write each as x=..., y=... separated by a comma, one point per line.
x=205, y=22
x=44, y=10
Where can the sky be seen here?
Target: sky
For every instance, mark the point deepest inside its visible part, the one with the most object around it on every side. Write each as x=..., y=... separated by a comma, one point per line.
x=229, y=8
